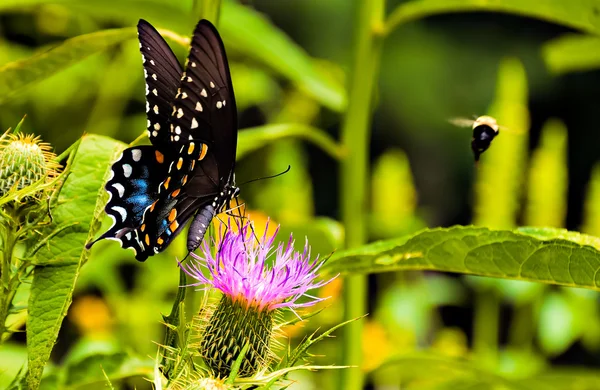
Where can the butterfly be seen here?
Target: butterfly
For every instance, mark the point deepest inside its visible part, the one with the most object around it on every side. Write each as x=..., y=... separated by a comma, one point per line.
x=188, y=170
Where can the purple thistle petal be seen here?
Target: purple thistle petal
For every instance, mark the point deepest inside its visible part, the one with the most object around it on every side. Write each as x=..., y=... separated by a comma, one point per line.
x=239, y=269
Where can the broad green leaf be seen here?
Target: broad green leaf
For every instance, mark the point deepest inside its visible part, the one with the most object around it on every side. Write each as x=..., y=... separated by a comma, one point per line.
x=427, y=370
x=17, y=75
x=75, y=220
x=254, y=138
x=551, y=256
x=579, y=14
x=572, y=53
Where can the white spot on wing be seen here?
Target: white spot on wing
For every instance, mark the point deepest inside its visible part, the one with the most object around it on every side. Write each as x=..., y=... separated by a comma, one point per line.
x=155, y=109
x=154, y=76
x=203, y=93
x=120, y=189
x=157, y=126
x=219, y=104
x=121, y=211
x=176, y=138
x=155, y=133
x=179, y=113
x=212, y=85
x=155, y=92
x=198, y=106
x=152, y=62
x=184, y=95
x=178, y=130
x=127, y=170
x=194, y=123
x=136, y=154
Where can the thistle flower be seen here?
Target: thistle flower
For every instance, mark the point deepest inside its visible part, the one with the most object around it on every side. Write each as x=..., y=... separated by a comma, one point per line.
x=257, y=279
x=24, y=161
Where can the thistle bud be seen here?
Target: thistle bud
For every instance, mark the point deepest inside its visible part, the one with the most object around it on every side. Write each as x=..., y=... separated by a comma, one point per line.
x=25, y=161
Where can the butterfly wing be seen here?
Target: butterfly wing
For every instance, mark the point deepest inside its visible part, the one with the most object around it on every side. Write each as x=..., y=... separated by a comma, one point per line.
x=132, y=188
x=204, y=107
x=162, y=73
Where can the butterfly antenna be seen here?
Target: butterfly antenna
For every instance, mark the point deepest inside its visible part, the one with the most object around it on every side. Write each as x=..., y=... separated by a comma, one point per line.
x=268, y=177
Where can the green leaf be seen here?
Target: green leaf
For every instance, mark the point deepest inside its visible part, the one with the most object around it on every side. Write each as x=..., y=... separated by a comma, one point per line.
x=19, y=74
x=98, y=369
x=254, y=138
x=58, y=262
x=572, y=53
x=579, y=14
x=553, y=256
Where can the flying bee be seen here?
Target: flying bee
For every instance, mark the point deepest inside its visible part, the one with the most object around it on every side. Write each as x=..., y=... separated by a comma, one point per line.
x=485, y=129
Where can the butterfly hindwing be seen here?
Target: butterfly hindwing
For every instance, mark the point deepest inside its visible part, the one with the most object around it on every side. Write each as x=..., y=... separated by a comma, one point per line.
x=132, y=188
x=162, y=74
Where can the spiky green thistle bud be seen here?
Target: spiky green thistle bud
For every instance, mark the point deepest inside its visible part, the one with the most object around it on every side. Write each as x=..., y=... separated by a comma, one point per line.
x=229, y=328
x=25, y=161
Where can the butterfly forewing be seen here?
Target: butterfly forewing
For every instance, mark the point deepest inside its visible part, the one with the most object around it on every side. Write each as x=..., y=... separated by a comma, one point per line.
x=162, y=73
x=204, y=107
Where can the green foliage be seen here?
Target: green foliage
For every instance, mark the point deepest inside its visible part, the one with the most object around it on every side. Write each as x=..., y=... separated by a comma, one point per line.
x=579, y=14
x=547, y=190
x=75, y=221
x=20, y=74
x=551, y=256
x=500, y=179
x=572, y=53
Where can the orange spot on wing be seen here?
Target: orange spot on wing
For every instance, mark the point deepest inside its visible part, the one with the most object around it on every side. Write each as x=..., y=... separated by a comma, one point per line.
x=173, y=226
x=166, y=184
x=203, y=151
x=184, y=180
x=191, y=148
x=153, y=205
x=159, y=156
x=175, y=193
x=179, y=163
x=147, y=239
x=160, y=241
x=143, y=227
x=172, y=215
x=193, y=164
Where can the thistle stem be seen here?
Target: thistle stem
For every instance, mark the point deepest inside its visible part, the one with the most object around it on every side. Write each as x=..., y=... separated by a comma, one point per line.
x=486, y=317
x=7, y=288
x=354, y=171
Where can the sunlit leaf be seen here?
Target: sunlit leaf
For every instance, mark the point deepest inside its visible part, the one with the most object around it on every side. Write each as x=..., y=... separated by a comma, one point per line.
x=572, y=53
x=551, y=256
x=579, y=14
x=17, y=75
x=58, y=262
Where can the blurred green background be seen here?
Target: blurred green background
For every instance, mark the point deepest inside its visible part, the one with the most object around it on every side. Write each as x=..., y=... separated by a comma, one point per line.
x=542, y=171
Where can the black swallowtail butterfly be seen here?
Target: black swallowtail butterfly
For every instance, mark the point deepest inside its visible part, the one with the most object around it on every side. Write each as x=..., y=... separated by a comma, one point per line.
x=189, y=168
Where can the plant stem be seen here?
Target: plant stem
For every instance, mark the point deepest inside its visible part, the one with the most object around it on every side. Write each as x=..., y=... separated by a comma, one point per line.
x=7, y=288
x=354, y=175
x=485, y=329
x=521, y=330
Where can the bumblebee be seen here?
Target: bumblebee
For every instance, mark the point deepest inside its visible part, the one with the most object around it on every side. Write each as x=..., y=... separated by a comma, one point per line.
x=485, y=129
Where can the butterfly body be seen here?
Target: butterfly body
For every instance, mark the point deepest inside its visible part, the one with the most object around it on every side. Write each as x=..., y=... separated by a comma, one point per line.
x=188, y=170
